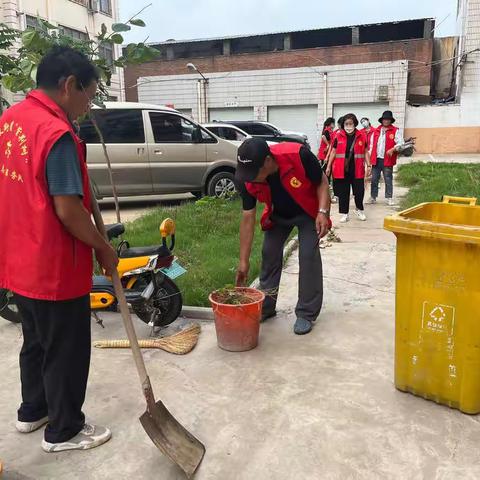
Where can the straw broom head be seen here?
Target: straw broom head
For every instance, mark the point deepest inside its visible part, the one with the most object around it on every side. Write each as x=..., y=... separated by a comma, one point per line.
x=180, y=343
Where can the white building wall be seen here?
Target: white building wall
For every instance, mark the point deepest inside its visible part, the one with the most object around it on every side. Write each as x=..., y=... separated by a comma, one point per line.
x=260, y=89
x=67, y=13
x=455, y=128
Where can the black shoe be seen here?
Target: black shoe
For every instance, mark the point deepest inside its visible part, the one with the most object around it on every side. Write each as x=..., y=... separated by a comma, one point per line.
x=267, y=315
x=302, y=326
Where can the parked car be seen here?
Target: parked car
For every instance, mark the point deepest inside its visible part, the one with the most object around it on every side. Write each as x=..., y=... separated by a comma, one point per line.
x=288, y=132
x=229, y=132
x=156, y=150
x=267, y=131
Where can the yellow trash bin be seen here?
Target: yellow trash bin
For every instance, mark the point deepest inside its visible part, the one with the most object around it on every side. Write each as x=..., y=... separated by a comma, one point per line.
x=437, y=331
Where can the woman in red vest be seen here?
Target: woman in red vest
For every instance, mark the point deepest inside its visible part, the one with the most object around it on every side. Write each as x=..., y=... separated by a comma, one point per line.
x=347, y=162
x=289, y=180
x=367, y=129
x=384, y=145
x=46, y=248
x=326, y=139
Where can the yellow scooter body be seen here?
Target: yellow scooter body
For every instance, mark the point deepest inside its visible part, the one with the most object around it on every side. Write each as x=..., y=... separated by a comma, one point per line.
x=101, y=300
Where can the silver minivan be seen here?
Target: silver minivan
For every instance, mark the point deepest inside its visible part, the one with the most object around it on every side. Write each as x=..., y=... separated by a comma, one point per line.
x=156, y=150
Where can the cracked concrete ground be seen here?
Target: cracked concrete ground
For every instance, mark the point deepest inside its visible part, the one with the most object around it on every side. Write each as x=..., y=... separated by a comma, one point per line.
x=321, y=406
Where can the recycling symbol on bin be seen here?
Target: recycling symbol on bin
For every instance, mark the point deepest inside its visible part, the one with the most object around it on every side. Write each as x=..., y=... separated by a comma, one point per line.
x=438, y=314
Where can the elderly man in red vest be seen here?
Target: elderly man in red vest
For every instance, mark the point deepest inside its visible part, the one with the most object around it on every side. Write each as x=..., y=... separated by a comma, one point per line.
x=46, y=248
x=383, y=155
x=289, y=180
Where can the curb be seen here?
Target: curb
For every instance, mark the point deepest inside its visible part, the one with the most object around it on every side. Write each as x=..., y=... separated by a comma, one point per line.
x=198, y=313
x=206, y=313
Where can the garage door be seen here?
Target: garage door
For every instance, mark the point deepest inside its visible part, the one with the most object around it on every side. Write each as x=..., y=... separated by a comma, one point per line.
x=296, y=118
x=239, y=113
x=373, y=111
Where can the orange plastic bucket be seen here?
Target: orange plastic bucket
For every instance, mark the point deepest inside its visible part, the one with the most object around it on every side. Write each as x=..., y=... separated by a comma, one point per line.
x=238, y=326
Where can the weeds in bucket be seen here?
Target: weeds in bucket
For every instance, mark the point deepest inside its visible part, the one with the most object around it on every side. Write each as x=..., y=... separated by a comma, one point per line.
x=229, y=295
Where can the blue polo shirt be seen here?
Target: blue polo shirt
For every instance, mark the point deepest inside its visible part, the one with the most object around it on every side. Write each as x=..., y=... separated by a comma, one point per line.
x=64, y=176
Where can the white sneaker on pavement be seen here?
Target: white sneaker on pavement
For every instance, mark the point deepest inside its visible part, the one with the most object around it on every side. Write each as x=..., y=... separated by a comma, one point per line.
x=391, y=202
x=91, y=436
x=344, y=218
x=361, y=215
x=371, y=201
x=29, y=427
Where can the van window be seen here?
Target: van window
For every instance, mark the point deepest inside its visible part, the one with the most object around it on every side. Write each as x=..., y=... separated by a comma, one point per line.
x=117, y=126
x=168, y=128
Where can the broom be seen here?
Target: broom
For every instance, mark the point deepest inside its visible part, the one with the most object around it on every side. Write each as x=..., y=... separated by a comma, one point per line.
x=180, y=343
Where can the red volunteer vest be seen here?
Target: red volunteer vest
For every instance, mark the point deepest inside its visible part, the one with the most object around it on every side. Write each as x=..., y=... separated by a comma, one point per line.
x=324, y=147
x=359, y=151
x=294, y=180
x=368, y=135
x=38, y=257
x=389, y=160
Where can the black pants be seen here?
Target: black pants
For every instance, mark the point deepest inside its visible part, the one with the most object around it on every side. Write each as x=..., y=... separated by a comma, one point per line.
x=54, y=364
x=310, y=284
x=342, y=191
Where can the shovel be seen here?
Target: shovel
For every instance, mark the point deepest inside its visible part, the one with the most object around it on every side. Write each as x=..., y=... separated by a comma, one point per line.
x=170, y=437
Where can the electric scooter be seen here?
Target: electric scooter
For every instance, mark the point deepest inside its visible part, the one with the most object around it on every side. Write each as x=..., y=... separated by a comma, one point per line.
x=147, y=275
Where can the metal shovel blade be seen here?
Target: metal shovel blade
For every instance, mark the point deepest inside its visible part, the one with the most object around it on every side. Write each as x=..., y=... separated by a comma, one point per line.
x=172, y=439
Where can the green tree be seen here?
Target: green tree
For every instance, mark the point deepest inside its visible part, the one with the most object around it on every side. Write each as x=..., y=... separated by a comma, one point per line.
x=18, y=69
x=18, y=66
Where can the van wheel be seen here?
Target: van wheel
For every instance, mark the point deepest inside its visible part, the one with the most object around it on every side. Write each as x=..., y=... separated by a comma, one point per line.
x=221, y=185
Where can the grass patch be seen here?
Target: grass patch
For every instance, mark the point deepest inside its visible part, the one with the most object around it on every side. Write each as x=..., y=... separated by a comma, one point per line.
x=207, y=244
x=428, y=182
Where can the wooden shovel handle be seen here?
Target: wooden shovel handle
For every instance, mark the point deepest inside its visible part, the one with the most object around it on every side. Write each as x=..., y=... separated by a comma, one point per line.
x=124, y=310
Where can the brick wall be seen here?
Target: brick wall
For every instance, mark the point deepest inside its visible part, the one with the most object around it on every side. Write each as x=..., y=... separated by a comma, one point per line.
x=417, y=51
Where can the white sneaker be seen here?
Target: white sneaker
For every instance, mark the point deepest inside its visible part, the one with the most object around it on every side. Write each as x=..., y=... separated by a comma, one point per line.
x=29, y=427
x=344, y=218
x=361, y=215
x=334, y=199
x=91, y=436
x=371, y=201
x=391, y=202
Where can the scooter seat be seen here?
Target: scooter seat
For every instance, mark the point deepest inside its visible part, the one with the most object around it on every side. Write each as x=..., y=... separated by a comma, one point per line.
x=102, y=284
x=160, y=250
x=115, y=230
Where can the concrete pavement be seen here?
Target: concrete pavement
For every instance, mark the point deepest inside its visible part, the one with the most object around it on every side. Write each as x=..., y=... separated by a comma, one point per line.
x=319, y=407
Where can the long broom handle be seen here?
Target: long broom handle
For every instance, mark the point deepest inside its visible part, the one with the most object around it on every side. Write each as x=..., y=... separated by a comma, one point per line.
x=124, y=310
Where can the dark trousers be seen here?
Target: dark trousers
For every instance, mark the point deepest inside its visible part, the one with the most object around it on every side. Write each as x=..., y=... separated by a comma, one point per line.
x=54, y=364
x=377, y=171
x=310, y=285
x=342, y=188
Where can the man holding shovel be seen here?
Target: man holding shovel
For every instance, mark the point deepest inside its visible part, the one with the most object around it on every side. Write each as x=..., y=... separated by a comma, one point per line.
x=288, y=178
x=46, y=248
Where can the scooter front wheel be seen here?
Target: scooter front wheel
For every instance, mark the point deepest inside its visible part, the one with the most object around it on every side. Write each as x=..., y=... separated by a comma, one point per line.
x=164, y=306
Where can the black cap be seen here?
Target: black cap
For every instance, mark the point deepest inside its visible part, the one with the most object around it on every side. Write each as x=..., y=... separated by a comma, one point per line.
x=387, y=115
x=251, y=157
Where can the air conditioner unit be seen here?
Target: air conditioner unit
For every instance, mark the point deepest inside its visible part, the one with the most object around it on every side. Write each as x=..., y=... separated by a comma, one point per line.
x=93, y=6
x=382, y=92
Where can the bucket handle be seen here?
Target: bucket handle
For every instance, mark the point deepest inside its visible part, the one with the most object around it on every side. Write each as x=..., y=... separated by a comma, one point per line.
x=472, y=201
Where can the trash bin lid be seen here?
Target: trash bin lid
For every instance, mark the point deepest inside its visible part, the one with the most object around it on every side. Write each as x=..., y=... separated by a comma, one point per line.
x=456, y=222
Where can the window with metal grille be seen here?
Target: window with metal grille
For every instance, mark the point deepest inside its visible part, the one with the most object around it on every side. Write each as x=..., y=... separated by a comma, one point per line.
x=75, y=34
x=32, y=22
x=105, y=6
x=105, y=50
